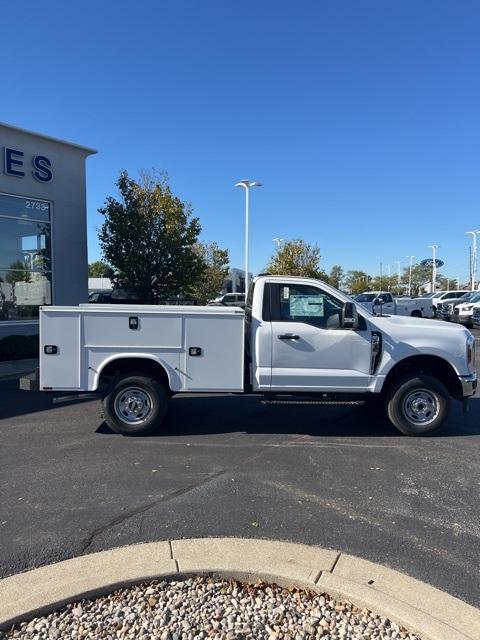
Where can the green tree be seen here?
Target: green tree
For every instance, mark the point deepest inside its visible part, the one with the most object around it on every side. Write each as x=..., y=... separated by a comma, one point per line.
x=384, y=283
x=421, y=277
x=297, y=258
x=444, y=283
x=98, y=269
x=215, y=269
x=18, y=273
x=149, y=236
x=336, y=276
x=356, y=281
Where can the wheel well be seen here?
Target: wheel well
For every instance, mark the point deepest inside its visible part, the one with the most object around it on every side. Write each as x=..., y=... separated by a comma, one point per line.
x=430, y=365
x=416, y=313
x=120, y=366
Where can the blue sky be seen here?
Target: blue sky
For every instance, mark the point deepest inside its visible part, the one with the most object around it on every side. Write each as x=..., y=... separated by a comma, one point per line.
x=360, y=117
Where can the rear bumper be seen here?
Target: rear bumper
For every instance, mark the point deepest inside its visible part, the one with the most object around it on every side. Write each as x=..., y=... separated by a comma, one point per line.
x=469, y=384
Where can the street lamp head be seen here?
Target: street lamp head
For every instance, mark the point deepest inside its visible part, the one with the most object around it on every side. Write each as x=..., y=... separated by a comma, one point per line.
x=246, y=184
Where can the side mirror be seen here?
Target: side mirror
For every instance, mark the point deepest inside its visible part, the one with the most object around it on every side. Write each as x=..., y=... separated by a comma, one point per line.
x=378, y=302
x=349, y=318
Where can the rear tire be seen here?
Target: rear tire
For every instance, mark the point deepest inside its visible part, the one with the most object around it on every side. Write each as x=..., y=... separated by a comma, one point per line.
x=418, y=406
x=135, y=405
x=416, y=314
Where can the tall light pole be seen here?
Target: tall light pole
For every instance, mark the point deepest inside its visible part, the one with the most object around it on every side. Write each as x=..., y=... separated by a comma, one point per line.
x=389, y=269
x=473, y=260
x=278, y=241
x=398, y=263
x=410, y=275
x=434, y=248
x=247, y=184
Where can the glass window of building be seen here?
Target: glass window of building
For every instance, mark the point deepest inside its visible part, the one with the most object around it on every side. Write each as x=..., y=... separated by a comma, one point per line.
x=25, y=257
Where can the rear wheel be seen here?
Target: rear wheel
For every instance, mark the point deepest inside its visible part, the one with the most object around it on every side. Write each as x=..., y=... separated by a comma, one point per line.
x=135, y=405
x=418, y=406
x=416, y=314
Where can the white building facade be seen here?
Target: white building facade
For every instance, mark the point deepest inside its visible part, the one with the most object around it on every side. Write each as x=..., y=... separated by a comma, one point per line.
x=43, y=230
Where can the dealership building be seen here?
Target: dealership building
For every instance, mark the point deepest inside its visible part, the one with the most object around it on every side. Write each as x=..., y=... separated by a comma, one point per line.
x=43, y=227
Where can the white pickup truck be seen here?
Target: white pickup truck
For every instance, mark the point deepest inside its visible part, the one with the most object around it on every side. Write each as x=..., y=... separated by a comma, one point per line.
x=415, y=307
x=298, y=340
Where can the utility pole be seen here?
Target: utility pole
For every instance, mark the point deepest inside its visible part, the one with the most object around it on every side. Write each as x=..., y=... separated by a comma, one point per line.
x=398, y=263
x=434, y=248
x=410, y=275
x=473, y=259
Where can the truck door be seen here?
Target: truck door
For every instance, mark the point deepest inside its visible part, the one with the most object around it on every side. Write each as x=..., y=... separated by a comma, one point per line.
x=309, y=350
x=388, y=307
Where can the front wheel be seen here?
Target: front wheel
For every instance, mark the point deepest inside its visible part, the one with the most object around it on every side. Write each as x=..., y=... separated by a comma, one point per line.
x=418, y=406
x=135, y=405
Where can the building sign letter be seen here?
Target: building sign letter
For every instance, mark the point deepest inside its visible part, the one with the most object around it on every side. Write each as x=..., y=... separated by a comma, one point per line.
x=42, y=171
x=11, y=161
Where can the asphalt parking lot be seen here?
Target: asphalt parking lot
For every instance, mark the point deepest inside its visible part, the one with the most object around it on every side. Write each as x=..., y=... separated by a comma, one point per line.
x=338, y=477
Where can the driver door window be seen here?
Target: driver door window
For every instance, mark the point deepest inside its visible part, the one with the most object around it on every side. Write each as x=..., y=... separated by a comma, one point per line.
x=303, y=303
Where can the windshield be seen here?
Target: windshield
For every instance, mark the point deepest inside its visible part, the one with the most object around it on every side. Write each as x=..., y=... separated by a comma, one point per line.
x=475, y=297
x=365, y=297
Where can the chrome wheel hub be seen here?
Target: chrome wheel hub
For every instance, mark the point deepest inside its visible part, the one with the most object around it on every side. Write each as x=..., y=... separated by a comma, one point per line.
x=133, y=405
x=421, y=406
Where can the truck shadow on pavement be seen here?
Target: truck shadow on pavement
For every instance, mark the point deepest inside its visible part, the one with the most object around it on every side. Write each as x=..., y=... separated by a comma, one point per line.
x=204, y=415
x=223, y=414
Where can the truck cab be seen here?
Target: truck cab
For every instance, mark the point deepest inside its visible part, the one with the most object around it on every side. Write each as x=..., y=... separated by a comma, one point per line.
x=369, y=297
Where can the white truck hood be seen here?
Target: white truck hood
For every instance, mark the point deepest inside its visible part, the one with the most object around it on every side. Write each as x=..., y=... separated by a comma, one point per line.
x=405, y=336
x=417, y=324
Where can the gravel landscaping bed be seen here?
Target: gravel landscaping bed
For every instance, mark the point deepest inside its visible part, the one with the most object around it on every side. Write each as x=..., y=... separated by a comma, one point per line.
x=199, y=608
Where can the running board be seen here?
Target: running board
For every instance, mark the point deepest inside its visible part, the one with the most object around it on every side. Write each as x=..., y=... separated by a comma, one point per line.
x=328, y=403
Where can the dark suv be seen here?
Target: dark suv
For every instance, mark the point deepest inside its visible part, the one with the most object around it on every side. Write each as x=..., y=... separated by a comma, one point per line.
x=230, y=300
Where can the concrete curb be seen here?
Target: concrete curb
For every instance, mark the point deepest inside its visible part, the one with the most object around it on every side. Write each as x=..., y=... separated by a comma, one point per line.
x=429, y=612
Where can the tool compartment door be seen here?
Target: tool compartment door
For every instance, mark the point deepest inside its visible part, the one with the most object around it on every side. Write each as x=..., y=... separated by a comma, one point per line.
x=61, y=329
x=214, y=353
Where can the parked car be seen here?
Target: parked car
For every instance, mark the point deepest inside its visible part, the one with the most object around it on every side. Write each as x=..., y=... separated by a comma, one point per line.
x=415, y=307
x=230, y=300
x=441, y=296
x=445, y=308
x=120, y=295
x=463, y=312
x=299, y=341
x=100, y=297
x=476, y=316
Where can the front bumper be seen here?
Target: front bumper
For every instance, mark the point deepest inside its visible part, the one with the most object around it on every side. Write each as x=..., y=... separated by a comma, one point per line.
x=469, y=384
x=463, y=319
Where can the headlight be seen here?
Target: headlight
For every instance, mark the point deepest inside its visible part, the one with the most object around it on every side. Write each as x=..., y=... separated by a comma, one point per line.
x=469, y=307
x=471, y=353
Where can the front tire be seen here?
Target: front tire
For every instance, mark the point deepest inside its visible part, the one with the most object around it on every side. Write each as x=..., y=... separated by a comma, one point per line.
x=135, y=405
x=418, y=406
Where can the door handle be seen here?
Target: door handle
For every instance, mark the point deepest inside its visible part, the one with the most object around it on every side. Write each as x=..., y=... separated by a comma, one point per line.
x=288, y=336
